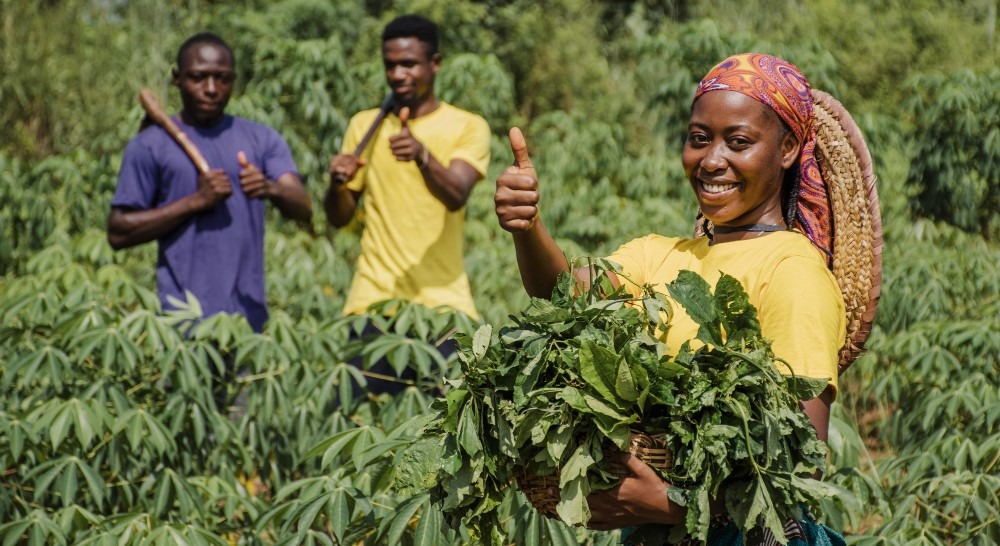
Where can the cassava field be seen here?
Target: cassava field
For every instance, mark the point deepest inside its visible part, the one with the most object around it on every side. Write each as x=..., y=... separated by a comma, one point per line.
x=108, y=433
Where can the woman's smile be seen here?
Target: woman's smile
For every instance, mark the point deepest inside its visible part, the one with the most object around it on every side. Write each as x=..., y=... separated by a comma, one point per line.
x=714, y=188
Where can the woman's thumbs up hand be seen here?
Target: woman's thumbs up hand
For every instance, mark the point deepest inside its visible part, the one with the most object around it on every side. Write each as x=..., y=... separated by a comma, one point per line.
x=516, y=197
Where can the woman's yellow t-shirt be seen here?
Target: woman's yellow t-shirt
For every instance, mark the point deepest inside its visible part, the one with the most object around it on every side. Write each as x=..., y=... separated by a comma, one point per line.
x=800, y=306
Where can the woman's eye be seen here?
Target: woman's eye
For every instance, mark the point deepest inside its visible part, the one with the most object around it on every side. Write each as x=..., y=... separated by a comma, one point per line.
x=697, y=138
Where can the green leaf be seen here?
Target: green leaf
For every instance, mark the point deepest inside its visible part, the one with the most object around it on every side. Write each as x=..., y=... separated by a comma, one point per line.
x=625, y=383
x=693, y=293
x=429, y=527
x=401, y=519
x=310, y=512
x=598, y=369
x=96, y=485
x=334, y=445
x=468, y=431
x=59, y=428
x=368, y=437
x=574, y=488
x=805, y=388
x=68, y=482
x=340, y=514
x=481, y=340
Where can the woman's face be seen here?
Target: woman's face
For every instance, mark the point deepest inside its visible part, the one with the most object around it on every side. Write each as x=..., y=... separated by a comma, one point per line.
x=735, y=157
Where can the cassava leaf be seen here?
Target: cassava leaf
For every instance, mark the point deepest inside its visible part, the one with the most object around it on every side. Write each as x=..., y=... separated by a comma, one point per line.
x=693, y=293
x=598, y=369
x=565, y=382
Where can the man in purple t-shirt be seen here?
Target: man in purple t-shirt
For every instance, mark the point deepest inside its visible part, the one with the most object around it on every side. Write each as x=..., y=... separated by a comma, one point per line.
x=210, y=226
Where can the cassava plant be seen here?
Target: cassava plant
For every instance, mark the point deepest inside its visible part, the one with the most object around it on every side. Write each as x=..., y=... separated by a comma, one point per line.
x=558, y=391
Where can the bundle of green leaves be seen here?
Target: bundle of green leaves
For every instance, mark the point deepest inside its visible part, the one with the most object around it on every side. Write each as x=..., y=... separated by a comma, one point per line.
x=558, y=391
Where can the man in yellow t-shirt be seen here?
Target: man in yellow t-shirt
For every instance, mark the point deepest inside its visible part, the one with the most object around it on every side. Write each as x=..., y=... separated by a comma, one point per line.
x=415, y=175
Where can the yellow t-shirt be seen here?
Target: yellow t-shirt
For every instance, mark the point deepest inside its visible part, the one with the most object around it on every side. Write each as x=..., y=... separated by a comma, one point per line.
x=412, y=245
x=799, y=304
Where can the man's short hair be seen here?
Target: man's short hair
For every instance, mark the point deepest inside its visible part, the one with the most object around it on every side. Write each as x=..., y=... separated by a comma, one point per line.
x=200, y=39
x=413, y=26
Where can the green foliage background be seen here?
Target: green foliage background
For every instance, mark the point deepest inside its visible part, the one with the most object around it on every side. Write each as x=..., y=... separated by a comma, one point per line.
x=107, y=429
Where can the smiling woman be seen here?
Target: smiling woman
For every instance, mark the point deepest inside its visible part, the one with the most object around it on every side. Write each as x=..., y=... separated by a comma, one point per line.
x=782, y=93
x=736, y=164
x=765, y=219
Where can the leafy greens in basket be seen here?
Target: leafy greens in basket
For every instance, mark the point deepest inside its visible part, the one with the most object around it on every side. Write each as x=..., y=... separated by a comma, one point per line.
x=558, y=390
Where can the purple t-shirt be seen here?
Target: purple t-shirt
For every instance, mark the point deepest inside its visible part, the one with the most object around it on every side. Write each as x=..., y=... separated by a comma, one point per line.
x=219, y=254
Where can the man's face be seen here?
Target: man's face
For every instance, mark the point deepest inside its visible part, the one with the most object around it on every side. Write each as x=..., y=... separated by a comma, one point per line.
x=409, y=71
x=205, y=80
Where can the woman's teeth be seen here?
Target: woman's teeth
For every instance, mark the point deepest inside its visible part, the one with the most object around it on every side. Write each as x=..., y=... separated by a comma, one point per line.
x=717, y=188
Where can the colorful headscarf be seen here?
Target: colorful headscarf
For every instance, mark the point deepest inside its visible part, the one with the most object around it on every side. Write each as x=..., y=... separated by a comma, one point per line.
x=782, y=86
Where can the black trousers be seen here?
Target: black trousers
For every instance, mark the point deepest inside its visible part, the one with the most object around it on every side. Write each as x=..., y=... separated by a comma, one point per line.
x=393, y=384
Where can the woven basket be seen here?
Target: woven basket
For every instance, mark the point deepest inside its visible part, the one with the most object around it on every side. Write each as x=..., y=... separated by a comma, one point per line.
x=846, y=167
x=543, y=491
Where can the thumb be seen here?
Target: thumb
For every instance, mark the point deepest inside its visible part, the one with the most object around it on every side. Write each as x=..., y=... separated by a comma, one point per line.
x=520, y=149
x=404, y=115
x=242, y=158
x=636, y=466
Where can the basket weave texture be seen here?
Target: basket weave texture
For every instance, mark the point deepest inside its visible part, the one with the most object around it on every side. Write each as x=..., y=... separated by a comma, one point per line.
x=543, y=491
x=846, y=166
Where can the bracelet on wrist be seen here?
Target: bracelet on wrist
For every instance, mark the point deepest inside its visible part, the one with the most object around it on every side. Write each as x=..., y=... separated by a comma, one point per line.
x=424, y=159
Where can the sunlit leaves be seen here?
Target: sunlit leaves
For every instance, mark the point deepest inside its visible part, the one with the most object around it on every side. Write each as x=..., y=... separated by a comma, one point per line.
x=45, y=366
x=479, y=84
x=57, y=418
x=311, y=504
x=956, y=162
x=108, y=347
x=92, y=376
x=143, y=430
x=62, y=479
x=38, y=528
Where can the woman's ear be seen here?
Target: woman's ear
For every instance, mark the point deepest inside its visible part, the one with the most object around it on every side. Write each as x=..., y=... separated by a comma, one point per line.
x=790, y=150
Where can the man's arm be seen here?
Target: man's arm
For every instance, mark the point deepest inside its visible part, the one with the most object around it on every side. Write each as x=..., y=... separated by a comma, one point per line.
x=287, y=192
x=451, y=185
x=289, y=195
x=128, y=227
x=339, y=204
x=341, y=201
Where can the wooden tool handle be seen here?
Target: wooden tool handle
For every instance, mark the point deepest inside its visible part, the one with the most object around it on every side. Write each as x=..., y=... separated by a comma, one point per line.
x=383, y=111
x=160, y=117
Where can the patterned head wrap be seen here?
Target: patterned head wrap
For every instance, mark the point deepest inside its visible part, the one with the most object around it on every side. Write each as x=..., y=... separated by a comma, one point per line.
x=782, y=86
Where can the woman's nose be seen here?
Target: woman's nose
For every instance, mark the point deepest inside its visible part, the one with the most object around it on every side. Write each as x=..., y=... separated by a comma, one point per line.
x=714, y=159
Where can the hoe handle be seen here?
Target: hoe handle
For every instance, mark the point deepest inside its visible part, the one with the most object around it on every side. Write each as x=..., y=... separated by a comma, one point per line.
x=160, y=117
